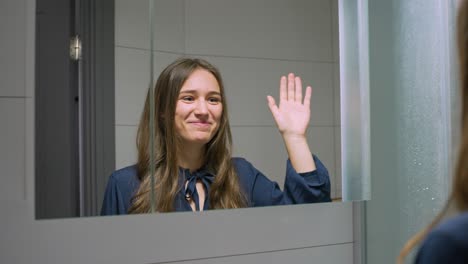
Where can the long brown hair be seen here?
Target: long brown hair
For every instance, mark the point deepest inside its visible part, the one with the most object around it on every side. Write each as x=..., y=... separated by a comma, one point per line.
x=459, y=194
x=225, y=191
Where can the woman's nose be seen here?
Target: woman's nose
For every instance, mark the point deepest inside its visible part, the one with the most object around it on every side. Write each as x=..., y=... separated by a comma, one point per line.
x=201, y=108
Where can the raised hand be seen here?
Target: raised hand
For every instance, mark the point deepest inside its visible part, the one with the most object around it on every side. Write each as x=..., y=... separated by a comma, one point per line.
x=293, y=113
x=292, y=118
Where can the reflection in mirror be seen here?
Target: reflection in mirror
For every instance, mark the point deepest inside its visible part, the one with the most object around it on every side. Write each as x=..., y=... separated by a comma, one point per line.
x=252, y=44
x=251, y=69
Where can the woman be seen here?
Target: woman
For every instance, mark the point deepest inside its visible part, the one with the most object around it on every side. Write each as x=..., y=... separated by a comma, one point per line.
x=447, y=242
x=193, y=164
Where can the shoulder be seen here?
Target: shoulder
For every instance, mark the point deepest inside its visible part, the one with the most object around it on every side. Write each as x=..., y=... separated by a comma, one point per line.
x=120, y=188
x=125, y=175
x=242, y=166
x=239, y=161
x=456, y=227
x=447, y=241
x=246, y=172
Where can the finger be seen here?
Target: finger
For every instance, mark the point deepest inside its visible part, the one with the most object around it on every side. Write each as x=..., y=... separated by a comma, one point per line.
x=283, y=90
x=308, y=96
x=291, y=87
x=298, y=95
x=272, y=105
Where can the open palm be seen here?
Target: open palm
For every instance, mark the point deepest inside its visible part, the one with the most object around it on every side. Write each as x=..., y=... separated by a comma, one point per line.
x=293, y=113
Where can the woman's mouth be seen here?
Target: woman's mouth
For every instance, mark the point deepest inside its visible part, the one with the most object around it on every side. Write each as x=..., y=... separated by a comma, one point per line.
x=202, y=124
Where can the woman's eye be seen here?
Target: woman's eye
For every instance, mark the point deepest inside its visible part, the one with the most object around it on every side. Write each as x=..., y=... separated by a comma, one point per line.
x=187, y=98
x=214, y=100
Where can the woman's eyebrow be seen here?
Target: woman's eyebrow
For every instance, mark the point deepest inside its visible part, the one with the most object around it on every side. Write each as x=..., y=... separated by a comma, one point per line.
x=215, y=92
x=196, y=91
x=188, y=91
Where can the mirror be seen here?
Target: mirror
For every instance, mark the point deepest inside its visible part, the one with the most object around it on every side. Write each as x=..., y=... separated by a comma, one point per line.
x=253, y=43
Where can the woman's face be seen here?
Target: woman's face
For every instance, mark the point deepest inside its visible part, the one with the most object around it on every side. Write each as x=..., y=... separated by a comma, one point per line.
x=198, y=109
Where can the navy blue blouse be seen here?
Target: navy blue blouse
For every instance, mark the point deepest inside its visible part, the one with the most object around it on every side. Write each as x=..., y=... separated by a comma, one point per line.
x=446, y=243
x=309, y=187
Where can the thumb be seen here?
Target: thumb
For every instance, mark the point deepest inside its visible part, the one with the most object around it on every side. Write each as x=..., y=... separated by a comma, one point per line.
x=272, y=105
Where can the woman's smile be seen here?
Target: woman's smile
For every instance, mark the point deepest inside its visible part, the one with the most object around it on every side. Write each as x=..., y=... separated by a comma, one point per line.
x=201, y=124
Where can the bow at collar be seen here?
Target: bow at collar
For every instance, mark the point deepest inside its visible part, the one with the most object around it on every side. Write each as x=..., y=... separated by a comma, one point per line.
x=204, y=176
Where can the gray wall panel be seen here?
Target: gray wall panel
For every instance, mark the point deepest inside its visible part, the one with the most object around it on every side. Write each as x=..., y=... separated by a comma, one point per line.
x=180, y=236
x=333, y=254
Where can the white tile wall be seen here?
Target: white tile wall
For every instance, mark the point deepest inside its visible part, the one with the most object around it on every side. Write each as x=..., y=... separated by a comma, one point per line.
x=333, y=179
x=132, y=20
x=338, y=160
x=131, y=84
x=12, y=23
x=132, y=81
x=161, y=60
x=12, y=156
x=338, y=188
x=125, y=146
x=335, y=31
x=132, y=23
x=282, y=29
x=336, y=94
x=336, y=98
x=321, y=142
x=169, y=25
x=337, y=128
x=336, y=64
